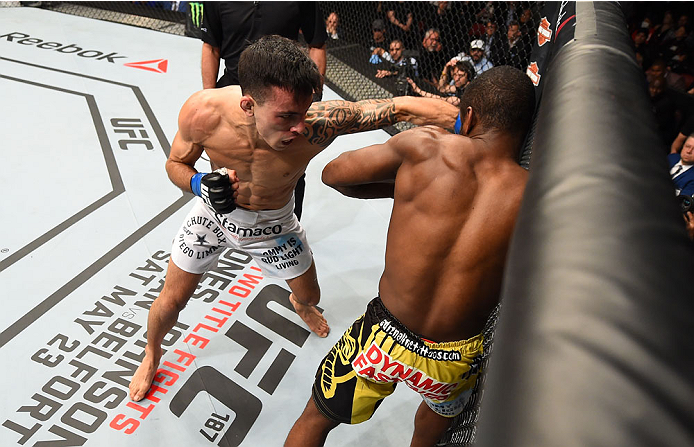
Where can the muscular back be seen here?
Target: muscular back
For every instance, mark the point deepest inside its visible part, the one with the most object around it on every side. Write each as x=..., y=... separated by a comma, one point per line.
x=456, y=201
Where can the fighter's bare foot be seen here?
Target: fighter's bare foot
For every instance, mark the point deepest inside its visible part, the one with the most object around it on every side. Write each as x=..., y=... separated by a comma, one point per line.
x=312, y=317
x=142, y=379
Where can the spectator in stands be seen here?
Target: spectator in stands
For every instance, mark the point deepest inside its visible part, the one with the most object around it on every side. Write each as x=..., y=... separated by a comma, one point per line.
x=398, y=63
x=492, y=40
x=515, y=50
x=401, y=23
x=683, y=177
x=672, y=80
x=643, y=47
x=683, y=20
x=665, y=109
x=665, y=31
x=229, y=27
x=689, y=224
x=456, y=77
x=378, y=41
x=461, y=75
x=507, y=12
x=681, y=63
x=472, y=15
x=528, y=27
x=686, y=130
x=680, y=167
x=647, y=24
x=332, y=24
x=431, y=57
x=485, y=11
x=444, y=15
x=476, y=57
x=676, y=51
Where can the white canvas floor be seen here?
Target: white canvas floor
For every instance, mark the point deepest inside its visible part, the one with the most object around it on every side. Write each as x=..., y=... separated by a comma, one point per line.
x=87, y=220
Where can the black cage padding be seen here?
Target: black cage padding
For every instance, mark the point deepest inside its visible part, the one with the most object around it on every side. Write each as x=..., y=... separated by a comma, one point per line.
x=595, y=342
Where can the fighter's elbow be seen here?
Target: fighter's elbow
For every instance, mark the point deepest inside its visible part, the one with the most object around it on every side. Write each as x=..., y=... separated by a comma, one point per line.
x=329, y=175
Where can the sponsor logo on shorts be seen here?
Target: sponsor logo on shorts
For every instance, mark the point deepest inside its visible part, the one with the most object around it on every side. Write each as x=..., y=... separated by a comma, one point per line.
x=283, y=255
x=451, y=408
x=193, y=235
x=376, y=365
x=231, y=227
x=417, y=346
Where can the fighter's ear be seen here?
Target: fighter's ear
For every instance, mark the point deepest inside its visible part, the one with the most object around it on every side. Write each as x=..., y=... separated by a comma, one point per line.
x=469, y=121
x=247, y=104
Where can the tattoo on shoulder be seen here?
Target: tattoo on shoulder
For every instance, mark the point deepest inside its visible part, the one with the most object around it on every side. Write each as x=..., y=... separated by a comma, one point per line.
x=327, y=120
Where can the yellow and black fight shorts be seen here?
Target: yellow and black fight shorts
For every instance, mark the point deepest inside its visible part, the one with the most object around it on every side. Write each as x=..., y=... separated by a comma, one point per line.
x=377, y=352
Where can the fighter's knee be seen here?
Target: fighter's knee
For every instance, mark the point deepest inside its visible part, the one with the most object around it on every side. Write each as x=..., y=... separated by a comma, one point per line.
x=171, y=303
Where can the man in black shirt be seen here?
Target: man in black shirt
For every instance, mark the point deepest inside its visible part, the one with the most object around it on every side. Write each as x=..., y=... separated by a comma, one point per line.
x=432, y=57
x=229, y=27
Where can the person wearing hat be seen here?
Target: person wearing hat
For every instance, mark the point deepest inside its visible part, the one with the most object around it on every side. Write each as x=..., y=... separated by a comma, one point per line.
x=378, y=41
x=476, y=57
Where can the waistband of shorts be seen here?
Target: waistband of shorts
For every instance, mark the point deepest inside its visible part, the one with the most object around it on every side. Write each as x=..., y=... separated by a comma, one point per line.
x=382, y=313
x=252, y=216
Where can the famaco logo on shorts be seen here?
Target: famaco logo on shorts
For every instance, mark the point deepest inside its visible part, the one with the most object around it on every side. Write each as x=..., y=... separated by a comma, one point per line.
x=155, y=65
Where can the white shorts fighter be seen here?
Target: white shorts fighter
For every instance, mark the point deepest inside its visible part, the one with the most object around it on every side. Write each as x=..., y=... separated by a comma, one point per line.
x=274, y=238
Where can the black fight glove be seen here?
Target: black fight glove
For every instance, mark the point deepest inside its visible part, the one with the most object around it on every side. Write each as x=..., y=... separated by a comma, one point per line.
x=215, y=190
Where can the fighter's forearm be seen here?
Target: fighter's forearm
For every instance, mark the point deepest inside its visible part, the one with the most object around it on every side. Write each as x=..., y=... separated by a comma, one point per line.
x=423, y=111
x=180, y=174
x=328, y=119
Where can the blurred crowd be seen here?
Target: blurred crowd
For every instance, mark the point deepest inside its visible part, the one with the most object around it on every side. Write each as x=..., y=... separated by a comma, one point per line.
x=435, y=48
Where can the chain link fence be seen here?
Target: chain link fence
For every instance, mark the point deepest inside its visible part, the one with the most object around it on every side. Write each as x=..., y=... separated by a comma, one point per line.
x=381, y=50
x=375, y=49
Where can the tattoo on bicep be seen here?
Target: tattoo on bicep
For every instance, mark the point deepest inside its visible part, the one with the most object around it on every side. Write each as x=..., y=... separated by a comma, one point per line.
x=327, y=120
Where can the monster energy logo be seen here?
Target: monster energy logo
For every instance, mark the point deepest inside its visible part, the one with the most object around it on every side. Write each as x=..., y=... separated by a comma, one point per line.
x=196, y=13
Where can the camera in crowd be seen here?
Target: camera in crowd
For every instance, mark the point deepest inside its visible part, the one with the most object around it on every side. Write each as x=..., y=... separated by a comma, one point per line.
x=406, y=70
x=685, y=203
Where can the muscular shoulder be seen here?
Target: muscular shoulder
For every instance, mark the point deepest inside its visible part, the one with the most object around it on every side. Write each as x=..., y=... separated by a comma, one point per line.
x=425, y=142
x=200, y=115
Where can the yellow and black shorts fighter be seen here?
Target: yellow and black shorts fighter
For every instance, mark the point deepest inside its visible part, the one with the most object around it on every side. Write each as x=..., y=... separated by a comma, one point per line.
x=377, y=352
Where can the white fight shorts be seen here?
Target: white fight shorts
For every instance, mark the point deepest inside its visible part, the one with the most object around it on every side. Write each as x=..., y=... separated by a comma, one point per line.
x=274, y=238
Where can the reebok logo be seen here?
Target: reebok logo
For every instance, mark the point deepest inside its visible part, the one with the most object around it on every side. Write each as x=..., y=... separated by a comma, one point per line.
x=26, y=39
x=157, y=65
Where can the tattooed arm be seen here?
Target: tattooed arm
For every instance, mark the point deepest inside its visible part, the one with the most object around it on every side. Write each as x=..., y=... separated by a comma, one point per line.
x=327, y=120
